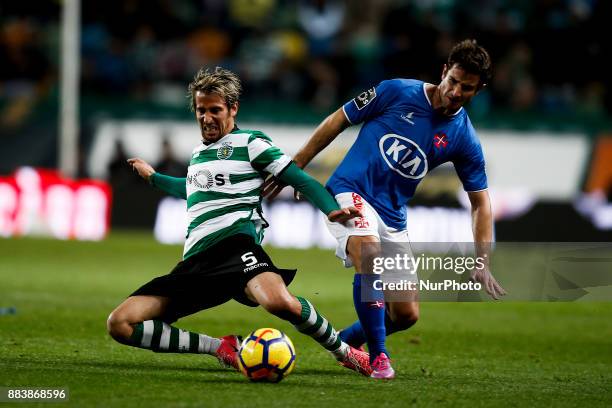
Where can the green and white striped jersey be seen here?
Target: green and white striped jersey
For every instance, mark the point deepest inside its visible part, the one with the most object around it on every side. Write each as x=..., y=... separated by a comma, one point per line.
x=224, y=187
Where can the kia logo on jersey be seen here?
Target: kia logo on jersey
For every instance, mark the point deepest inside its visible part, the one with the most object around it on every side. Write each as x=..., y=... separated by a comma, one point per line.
x=403, y=156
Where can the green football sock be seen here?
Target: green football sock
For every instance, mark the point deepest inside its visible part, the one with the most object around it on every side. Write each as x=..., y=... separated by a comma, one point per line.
x=162, y=338
x=313, y=324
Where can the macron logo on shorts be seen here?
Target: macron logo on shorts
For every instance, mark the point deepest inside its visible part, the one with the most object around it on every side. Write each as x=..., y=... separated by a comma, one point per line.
x=252, y=267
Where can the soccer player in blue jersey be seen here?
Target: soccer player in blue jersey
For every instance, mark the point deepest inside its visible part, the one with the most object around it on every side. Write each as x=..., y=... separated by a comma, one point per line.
x=409, y=128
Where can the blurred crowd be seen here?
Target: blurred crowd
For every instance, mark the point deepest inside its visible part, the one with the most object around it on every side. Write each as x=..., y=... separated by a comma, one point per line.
x=548, y=54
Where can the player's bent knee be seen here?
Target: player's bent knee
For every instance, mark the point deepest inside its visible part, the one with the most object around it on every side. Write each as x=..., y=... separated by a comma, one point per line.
x=370, y=251
x=406, y=322
x=406, y=318
x=118, y=327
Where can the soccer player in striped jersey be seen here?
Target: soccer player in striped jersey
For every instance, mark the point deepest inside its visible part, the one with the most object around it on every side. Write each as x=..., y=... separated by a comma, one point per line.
x=223, y=258
x=409, y=128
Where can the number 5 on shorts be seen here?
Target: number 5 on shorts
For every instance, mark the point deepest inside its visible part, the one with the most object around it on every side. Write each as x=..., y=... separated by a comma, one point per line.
x=249, y=259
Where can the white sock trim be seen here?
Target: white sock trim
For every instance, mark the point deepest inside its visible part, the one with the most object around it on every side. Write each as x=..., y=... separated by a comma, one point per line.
x=183, y=340
x=312, y=318
x=164, y=341
x=147, y=333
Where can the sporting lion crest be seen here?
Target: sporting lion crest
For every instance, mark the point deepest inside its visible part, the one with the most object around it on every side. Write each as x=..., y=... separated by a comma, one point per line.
x=225, y=151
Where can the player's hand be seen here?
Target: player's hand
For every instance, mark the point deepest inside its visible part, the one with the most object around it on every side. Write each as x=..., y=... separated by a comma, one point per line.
x=344, y=214
x=272, y=187
x=483, y=276
x=143, y=168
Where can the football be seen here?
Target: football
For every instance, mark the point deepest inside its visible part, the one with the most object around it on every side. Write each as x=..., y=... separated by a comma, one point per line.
x=266, y=355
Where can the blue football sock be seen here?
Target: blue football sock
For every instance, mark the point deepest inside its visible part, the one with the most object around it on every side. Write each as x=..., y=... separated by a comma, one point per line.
x=355, y=336
x=370, y=307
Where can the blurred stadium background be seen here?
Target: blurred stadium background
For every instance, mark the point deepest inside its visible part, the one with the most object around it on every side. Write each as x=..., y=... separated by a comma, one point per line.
x=546, y=128
x=544, y=122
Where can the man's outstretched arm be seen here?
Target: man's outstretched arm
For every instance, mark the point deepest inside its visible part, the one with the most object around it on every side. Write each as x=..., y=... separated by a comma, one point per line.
x=323, y=135
x=175, y=186
x=482, y=228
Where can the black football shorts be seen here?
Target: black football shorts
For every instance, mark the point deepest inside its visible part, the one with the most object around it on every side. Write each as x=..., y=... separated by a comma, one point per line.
x=213, y=277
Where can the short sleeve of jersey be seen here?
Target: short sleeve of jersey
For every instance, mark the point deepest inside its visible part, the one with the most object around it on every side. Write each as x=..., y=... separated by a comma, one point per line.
x=265, y=156
x=470, y=166
x=372, y=102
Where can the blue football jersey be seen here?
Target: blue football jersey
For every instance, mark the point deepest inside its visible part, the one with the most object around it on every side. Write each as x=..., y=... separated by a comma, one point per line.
x=401, y=140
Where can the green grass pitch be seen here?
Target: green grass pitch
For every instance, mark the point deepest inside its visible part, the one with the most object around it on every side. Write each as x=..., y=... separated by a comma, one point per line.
x=459, y=354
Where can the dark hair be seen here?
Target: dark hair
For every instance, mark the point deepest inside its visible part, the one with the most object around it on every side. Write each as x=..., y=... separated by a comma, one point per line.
x=219, y=81
x=473, y=58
